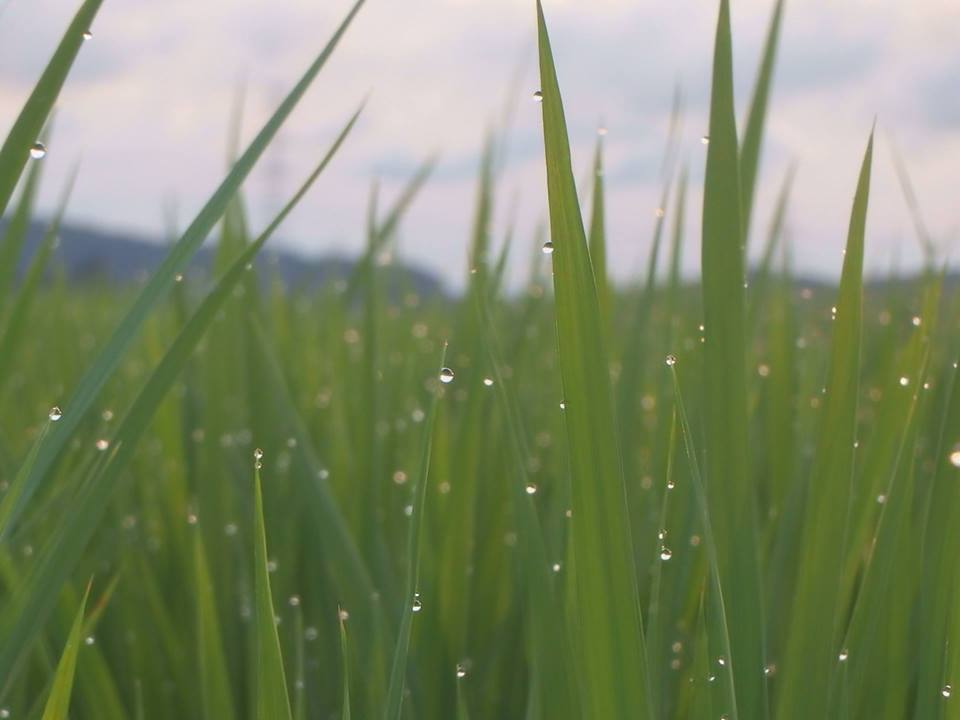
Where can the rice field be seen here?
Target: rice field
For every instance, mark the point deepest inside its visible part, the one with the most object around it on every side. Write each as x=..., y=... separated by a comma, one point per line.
x=732, y=498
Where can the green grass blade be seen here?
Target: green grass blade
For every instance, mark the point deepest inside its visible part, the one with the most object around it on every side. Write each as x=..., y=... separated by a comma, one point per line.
x=345, y=669
x=753, y=134
x=216, y=697
x=58, y=703
x=732, y=500
x=716, y=621
x=109, y=358
x=812, y=649
x=27, y=128
x=613, y=667
x=271, y=682
x=761, y=280
x=411, y=599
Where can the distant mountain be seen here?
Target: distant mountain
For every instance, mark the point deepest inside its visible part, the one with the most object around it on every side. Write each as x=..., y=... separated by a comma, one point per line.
x=89, y=254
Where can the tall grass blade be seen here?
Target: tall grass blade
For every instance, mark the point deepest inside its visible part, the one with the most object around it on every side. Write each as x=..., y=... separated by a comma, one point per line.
x=613, y=667
x=753, y=134
x=812, y=650
x=411, y=599
x=273, y=702
x=732, y=501
x=15, y=151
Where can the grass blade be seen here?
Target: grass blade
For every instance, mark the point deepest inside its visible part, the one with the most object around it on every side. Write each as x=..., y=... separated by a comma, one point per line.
x=271, y=682
x=732, y=501
x=28, y=125
x=58, y=703
x=411, y=598
x=811, y=653
x=753, y=134
x=613, y=665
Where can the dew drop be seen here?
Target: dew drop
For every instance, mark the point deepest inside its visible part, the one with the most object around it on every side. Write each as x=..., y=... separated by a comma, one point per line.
x=258, y=454
x=538, y=96
x=665, y=553
x=408, y=510
x=531, y=489
x=671, y=360
x=659, y=212
x=946, y=690
x=556, y=567
x=89, y=640
x=547, y=247
x=881, y=499
x=769, y=670
x=904, y=381
x=954, y=454
x=916, y=320
x=563, y=404
x=488, y=382
x=844, y=654
x=102, y=444
x=417, y=605
x=342, y=615
x=56, y=413
x=446, y=375
x=670, y=485
x=87, y=34
x=705, y=140
x=721, y=661
x=461, y=671
x=38, y=150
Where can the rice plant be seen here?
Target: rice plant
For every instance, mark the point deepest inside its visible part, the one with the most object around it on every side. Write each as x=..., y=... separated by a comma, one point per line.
x=729, y=498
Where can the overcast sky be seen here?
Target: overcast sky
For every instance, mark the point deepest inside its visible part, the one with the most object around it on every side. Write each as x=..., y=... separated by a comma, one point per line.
x=147, y=108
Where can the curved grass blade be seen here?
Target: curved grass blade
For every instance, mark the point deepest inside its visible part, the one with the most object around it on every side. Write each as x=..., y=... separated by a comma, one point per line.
x=732, y=499
x=273, y=702
x=812, y=645
x=613, y=663
x=411, y=599
x=29, y=124
x=29, y=606
x=753, y=134
x=162, y=279
x=58, y=703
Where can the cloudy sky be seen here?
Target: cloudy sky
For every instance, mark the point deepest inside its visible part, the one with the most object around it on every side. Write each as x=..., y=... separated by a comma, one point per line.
x=146, y=112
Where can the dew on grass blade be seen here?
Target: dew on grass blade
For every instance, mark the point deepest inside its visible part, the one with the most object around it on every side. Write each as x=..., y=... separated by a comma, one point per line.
x=547, y=247
x=55, y=413
x=38, y=151
x=844, y=654
x=461, y=671
x=537, y=96
x=671, y=360
x=446, y=375
x=954, y=454
x=87, y=34
x=531, y=489
x=417, y=606
x=946, y=690
x=665, y=553
x=488, y=381
x=102, y=444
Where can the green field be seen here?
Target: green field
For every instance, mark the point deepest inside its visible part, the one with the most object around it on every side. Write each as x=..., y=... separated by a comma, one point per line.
x=733, y=498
